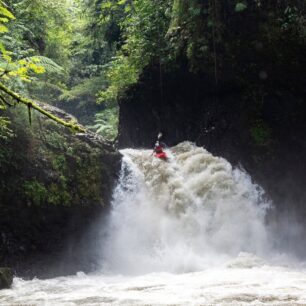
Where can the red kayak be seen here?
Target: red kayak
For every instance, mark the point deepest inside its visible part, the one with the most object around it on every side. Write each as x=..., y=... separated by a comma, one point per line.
x=161, y=155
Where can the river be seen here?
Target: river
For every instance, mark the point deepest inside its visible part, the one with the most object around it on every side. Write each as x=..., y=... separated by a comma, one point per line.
x=189, y=231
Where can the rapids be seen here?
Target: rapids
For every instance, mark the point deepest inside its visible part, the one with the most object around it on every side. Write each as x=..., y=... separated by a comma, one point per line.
x=189, y=231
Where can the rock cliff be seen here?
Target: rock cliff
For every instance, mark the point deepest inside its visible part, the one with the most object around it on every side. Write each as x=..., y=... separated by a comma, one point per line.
x=266, y=137
x=54, y=185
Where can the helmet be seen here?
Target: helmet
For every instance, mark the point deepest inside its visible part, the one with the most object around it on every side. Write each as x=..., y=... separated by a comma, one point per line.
x=157, y=143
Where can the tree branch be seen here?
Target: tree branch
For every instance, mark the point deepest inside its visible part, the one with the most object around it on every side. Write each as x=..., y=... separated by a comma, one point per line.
x=32, y=104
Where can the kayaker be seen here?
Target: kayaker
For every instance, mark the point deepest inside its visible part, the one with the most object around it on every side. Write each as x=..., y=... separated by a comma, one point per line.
x=159, y=146
x=159, y=150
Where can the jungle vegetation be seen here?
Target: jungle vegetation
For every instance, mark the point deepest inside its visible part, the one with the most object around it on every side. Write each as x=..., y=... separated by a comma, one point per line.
x=82, y=55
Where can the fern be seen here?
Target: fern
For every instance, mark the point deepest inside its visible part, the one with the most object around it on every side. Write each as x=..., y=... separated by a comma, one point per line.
x=106, y=123
x=23, y=67
x=48, y=64
x=51, y=86
x=7, y=66
x=89, y=87
x=5, y=131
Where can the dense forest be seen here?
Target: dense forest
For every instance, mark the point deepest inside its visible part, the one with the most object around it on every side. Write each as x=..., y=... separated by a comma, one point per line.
x=83, y=55
x=227, y=75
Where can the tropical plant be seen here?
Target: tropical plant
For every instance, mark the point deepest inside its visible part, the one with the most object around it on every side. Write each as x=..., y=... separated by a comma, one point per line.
x=106, y=123
x=144, y=28
x=14, y=69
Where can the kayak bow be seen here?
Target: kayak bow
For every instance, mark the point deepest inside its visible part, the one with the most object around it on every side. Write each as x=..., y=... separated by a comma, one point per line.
x=161, y=155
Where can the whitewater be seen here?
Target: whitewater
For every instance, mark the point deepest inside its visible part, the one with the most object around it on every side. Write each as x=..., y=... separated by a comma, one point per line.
x=189, y=231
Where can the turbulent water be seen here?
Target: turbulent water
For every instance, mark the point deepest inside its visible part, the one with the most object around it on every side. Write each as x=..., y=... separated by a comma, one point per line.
x=189, y=231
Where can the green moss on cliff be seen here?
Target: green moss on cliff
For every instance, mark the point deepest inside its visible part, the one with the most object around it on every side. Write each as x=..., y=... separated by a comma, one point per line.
x=54, y=166
x=36, y=192
x=53, y=183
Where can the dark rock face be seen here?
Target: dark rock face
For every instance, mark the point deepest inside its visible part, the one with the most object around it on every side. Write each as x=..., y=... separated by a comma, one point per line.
x=6, y=278
x=54, y=185
x=266, y=137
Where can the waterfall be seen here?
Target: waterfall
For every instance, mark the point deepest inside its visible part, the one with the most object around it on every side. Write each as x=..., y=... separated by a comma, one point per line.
x=186, y=214
x=188, y=231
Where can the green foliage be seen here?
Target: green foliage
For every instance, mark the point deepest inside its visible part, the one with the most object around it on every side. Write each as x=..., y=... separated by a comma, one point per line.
x=51, y=49
x=87, y=89
x=5, y=17
x=11, y=64
x=5, y=131
x=59, y=163
x=121, y=75
x=144, y=27
x=26, y=68
x=14, y=70
x=48, y=65
x=56, y=192
x=96, y=34
x=106, y=123
x=36, y=192
x=38, y=40
x=46, y=33
x=47, y=24
x=56, y=141
x=58, y=195
x=293, y=21
x=240, y=7
x=8, y=66
x=46, y=165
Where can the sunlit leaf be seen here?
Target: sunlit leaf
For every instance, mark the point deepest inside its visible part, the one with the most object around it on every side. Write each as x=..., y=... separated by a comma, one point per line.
x=240, y=7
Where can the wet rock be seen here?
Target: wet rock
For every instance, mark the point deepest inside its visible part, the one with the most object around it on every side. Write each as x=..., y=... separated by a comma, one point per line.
x=54, y=184
x=266, y=137
x=6, y=278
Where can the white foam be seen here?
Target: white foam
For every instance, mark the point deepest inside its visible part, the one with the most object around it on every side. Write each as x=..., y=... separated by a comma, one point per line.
x=183, y=215
x=190, y=231
x=257, y=285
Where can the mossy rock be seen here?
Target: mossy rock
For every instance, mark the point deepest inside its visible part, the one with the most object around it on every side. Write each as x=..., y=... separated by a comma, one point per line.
x=55, y=183
x=6, y=278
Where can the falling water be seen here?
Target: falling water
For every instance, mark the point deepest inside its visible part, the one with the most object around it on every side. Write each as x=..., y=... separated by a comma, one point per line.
x=188, y=231
x=183, y=215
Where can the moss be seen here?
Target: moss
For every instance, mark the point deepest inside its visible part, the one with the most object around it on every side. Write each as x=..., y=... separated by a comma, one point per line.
x=59, y=163
x=47, y=165
x=35, y=192
x=89, y=177
x=31, y=104
x=56, y=140
x=52, y=182
x=56, y=192
x=58, y=195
